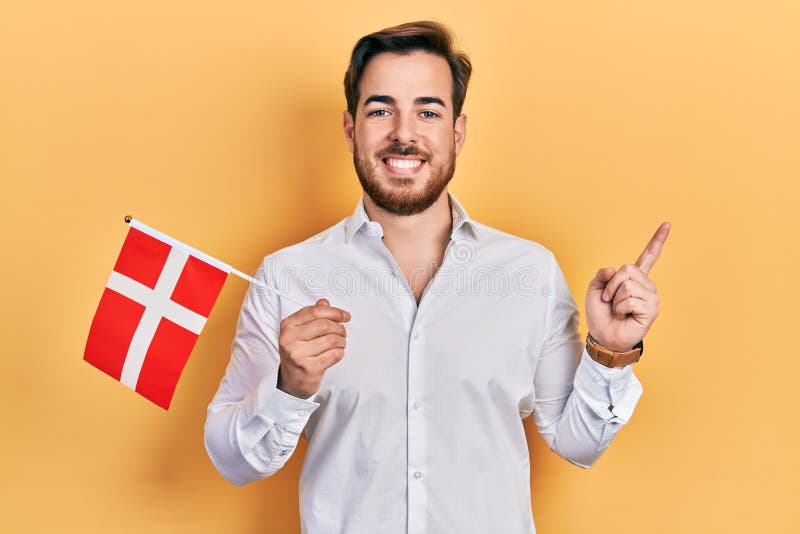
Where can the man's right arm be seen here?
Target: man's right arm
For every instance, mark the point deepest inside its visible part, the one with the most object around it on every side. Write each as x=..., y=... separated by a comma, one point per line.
x=252, y=427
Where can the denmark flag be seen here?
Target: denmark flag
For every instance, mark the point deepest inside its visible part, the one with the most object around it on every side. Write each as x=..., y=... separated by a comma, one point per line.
x=153, y=308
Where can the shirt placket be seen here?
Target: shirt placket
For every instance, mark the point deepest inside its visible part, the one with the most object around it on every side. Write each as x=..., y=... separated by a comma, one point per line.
x=417, y=439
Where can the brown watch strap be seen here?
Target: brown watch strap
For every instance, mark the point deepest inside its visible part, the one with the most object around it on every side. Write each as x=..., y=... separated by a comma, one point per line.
x=608, y=357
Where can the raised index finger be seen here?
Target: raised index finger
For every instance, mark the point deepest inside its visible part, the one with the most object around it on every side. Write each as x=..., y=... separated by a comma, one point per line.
x=650, y=253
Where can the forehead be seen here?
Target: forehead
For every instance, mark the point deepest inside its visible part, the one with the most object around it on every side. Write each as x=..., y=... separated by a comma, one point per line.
x=406, y=76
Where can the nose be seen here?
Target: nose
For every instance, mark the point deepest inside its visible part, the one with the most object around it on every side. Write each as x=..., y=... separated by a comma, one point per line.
x=403, y=130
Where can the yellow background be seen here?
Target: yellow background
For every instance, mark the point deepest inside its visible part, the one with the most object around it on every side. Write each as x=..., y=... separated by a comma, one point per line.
x=219, y=123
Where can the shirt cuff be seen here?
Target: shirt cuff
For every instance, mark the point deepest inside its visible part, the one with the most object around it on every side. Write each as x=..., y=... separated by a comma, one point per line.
x=284, y=409
x=269, y=406
x=609, y=392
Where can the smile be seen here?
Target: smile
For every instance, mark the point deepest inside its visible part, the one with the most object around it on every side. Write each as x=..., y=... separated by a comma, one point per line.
x=403, y=163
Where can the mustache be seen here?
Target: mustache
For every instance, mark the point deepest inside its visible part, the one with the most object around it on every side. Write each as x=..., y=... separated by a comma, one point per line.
x=398, y=149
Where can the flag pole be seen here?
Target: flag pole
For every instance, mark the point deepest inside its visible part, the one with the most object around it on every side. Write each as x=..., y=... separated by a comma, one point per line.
x=135, y=223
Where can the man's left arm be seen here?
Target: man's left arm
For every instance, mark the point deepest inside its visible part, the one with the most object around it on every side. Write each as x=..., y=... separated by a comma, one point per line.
x=581, y=404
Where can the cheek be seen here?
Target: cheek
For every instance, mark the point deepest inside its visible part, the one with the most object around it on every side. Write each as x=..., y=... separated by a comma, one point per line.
x=372, y=134
x=442, y=144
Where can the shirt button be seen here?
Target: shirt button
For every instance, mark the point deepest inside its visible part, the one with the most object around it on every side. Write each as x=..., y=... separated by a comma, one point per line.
x=417, y=475
x=302, y=413
x=417, y=405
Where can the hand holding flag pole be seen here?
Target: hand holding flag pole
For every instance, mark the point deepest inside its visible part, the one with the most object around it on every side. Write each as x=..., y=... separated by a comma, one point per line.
x=152, y=311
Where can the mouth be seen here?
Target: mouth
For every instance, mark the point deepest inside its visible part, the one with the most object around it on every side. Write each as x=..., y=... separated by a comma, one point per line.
x=403, y=165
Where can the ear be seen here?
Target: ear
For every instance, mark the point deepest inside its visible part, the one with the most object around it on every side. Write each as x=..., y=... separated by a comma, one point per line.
x=460, y=132
x=349, y=126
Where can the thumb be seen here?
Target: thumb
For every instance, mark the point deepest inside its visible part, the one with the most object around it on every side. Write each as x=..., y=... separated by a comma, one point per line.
x=602, y=277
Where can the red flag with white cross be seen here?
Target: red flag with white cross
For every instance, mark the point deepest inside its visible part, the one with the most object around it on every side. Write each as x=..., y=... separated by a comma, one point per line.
x=152, y=311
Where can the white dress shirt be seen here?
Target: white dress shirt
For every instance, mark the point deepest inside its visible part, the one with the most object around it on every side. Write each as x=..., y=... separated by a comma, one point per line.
x=418, y=429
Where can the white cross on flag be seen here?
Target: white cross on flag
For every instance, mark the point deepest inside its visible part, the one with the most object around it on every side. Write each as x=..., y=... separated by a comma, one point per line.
x=153, y=308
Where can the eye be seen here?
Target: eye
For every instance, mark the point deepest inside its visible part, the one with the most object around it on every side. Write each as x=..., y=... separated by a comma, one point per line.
x=378, y=113
x=429, y=114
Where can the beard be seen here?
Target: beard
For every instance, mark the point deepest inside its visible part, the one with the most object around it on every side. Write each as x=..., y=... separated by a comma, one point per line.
x=399, y=196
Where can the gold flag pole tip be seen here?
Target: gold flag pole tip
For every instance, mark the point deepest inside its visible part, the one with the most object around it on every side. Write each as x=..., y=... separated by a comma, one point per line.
x=128, y=219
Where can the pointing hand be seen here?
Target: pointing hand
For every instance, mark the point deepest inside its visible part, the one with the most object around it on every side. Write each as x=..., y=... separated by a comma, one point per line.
x=622, y=304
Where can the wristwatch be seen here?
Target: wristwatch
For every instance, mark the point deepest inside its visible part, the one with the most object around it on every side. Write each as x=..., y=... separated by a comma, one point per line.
x=611, y=358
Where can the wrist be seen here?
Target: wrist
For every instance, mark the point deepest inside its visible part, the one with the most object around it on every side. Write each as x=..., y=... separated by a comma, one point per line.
x=281, y=386
x=608, y=345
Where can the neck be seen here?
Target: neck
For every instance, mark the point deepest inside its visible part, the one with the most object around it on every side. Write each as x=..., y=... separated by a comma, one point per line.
x=430, y=227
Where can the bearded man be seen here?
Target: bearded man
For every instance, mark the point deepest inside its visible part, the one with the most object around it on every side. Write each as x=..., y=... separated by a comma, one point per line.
x=446, y=332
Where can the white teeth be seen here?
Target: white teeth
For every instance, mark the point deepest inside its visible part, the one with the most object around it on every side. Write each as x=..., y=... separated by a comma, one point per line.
x=404, y=163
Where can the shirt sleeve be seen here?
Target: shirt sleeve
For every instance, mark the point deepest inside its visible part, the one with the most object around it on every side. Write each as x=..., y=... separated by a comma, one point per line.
x=580, y=404
x=252, y=428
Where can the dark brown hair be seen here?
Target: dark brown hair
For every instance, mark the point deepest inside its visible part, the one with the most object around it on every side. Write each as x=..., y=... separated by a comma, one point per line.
x=424, y=35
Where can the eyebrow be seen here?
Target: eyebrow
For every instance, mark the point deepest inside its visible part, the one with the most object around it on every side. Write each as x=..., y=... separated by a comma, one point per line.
x=430, y=100
x=422, y=100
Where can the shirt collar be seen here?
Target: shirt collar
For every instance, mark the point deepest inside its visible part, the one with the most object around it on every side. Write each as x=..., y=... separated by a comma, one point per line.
x=463, y=225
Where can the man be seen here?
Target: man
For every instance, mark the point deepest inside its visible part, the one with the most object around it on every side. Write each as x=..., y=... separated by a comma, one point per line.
x=411, y=391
